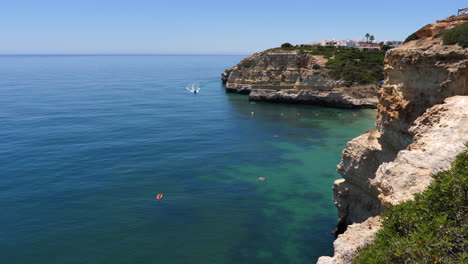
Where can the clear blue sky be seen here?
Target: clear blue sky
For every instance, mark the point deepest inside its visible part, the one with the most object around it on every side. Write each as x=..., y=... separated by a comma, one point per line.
x=203, y=26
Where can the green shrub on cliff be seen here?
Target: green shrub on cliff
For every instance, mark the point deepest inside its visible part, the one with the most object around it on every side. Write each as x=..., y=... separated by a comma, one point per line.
x=327, y=52
x=433, y=228
x=348, y=64
x=286, y=45
x=414, y=36
x=354, y=66
x=411, y=37
x=458, y=34
x=385, y=47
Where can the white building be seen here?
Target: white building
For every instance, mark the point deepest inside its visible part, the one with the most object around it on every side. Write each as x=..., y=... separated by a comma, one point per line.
x=348, y=43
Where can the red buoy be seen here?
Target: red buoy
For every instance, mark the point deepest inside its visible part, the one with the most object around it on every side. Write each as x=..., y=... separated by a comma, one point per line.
x=159, y=196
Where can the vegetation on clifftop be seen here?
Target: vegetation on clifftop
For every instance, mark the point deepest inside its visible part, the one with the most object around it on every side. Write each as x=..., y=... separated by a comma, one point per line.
x=354, y=66
x=458, y=34
x=327, y=52
x=433, y=228
x=348, y=64
x=411, y=37
x=414, y=36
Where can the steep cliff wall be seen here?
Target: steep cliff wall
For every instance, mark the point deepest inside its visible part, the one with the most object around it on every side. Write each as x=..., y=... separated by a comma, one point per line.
x=438, y=136
x=420, y=74
x=294, y=76
x=421, y=126
x=279, y=69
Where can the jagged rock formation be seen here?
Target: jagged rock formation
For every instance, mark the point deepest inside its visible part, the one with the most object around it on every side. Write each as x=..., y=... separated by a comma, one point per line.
x=419, y=74
x=358, y=235
x=421, y=126
x=438, y=136
x=278, y=69
x=354, y=196
x=291, y=77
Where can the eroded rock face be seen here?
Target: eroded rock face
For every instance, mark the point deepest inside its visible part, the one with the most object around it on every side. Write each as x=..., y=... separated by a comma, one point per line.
x=293, y=77
x=438, y=136
x=278, y=69
x=418, y=75
x=354, y=196
x=358, y=235
x=422, y=124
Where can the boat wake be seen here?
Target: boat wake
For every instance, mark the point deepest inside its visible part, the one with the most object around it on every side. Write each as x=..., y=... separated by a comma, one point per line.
x=194, y=88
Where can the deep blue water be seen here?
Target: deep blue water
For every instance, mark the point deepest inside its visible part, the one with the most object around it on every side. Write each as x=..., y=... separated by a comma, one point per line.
x=86, y=142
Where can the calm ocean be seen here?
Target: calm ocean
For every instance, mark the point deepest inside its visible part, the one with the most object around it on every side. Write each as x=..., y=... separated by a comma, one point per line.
x=86, y=143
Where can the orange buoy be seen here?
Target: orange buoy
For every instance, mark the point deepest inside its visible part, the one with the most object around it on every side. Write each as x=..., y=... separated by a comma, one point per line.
x=159, y=196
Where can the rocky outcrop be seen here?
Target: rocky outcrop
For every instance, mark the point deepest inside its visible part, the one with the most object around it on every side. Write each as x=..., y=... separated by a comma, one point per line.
x=294, y=77
x=354, y=196
x=438, y=136
x=422, y=124
x=279, y=69
x=329, y=98
x=418, y=75
x=346, y=245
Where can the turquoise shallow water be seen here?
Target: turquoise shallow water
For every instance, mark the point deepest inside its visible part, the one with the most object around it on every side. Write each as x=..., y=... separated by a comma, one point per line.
x=86, y=142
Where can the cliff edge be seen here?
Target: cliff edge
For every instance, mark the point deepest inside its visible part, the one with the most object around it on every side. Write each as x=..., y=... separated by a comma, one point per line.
x=295, y=76
x=422, y=124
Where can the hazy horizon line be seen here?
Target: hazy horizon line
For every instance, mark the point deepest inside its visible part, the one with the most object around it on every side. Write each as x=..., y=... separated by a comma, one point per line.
x=124, y=54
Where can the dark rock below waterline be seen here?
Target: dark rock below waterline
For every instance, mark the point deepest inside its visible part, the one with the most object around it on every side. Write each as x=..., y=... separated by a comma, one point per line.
x=328, y=98
x=239, y=89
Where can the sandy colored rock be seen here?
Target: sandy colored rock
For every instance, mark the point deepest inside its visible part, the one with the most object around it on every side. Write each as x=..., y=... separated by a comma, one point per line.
x=354, y=197
x=422, y=124
x=357, y=236
x=291, y=78
x=438, y=136
x=279, y=69
x=418, y=75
